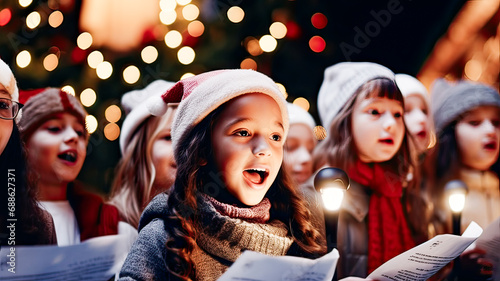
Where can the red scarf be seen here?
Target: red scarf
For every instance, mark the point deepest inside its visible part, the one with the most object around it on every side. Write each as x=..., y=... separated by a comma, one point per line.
x=388, y=232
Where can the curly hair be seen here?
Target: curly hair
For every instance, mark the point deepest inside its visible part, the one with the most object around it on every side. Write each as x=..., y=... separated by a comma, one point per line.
x=193, y=176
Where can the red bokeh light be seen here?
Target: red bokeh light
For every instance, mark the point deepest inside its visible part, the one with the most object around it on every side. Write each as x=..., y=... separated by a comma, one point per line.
x=5, y=16
x=293, y=30
x=317, y=44
x=319, y=20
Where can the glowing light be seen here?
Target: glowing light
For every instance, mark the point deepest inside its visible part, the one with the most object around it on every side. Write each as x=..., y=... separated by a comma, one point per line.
x=186, y=55
x=248, y=63
x=278, y=30
x=50, y=62
x=56, y=18
x=173, y=39
x=113, y=113
x=183, y=2
x=282, y=89
x=91, y=123
x=473, y=70
x=33, y=20
x=332, y=198
x=317, y=44
x=196, y=28
x=104, y=70
x=268, y=43
x=190, y=12
x=168, y=5
x=88, y=97
x=302, y=102
x=149, y=54
x=95, y=58
x=5, y=16
x=23, y=59
x=25, y=3
x=319, y=20
x=112, y=131
x=253, y=47
x=68, y=89
x=84, y=41
x=319, y=132
x=187, y=75
x=456, y=202
x=131, y=74
x=235, y=14
x=168, y=17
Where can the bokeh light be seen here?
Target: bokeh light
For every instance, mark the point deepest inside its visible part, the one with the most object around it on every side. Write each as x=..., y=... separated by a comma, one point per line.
x=50, y=62
x=168, y=5
x=104, y=70
x=5, y=16
x=23, y=59
x=235, y=14
x=88, y=97
x=282, y=89
x=186, y=75
x=173, y=39
x=56, y=18
x=183, y=2
x=84, y=40
x=278, y=30
x=319, y=132
x=25, y=3
x=111, y=131
x=91, y=123
x=113, y=113
x=186, y=55
x=168, y=17
x=473, y=70
x=253, y=46
x=190, y=12
x=149, y=54
x=131, y=74
x=317, y=44
x=319, y=20
x=95, y=58
x=302, y=102
x=196, y=28
x=69, y=89
x=33, y=20
x=248, y=63
x=268, y=43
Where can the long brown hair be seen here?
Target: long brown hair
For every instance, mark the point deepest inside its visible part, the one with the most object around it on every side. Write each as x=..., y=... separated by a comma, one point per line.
x=193, y=177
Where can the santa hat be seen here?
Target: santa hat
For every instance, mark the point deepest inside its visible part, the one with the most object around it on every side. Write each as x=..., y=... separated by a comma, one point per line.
x=451, y=100
x=39, y=104
x=202, y=94
x=134, y=103
x=299, y=116
x=409, y=86
x=341, y=81
x=8, y=81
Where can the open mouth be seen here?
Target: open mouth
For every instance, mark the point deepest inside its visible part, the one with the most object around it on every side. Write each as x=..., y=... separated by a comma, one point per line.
x=256, y=175
x=69, y=156
x=387, y=141
x=422, y=134
x=492, y=145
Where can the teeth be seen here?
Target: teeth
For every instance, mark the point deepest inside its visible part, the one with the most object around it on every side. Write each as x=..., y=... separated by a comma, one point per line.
x=257, y=169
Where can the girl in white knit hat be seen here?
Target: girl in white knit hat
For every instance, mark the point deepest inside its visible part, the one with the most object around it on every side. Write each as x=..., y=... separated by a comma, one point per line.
x=147, y=166
x=362, y=109
x=230, y=193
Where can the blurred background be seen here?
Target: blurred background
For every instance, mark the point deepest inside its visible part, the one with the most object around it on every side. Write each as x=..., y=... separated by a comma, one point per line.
x=100, y=49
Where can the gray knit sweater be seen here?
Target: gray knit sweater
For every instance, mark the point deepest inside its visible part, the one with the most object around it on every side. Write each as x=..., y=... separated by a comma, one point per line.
x=220, y=242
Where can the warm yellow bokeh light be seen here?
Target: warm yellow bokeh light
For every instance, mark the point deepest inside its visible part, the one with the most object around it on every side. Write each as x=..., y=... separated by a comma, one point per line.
x=168, y=5
x=50, y=62
x=104, y=70
x=33, y=20
x=173, y=39
x=56, y=18
x=113, y=113
x=186, y=55
x=319, y=132
x=473, y=70
x=91, y=123
x=95, y=58
x=235, y=14
x=88, y=97
x=278, y=30
x=131, y=74
x=302, y=102
x=196, y=28
x=190, y=12
x=282, y=89
x=252, y=46
x=168, y=17
x=25, y=3
x=84, y=41
x=187, y=75
x=268, y=43
x=112, y=131
x=149, y=54
x=68, y=89
x=248, y=63
x=183, y=2
x=23, y=59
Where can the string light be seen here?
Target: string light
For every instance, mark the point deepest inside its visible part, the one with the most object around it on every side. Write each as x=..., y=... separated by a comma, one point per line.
x=317, y=44
x=186, y=55
x=113, y=113
x=235, y=14
x=111, y=131
x=23, y=59
x=168, y=17
x=131, y=74
x=302, y=102
x=88, y=97
x=84, y=40
x=149, y=54
x=25, y=3
x=95, y=58
x=5, y=16
x=50, y=62
x=268, y=43
x=91, y=123
x=248, y=63
x=196, y=28
x=282, y=89
x=277, y=30
x=190, y=12
x=33, y=20
x=69, y=89
x=56, y=18
x=173, y=39
x=187, y=75
x=104, y=70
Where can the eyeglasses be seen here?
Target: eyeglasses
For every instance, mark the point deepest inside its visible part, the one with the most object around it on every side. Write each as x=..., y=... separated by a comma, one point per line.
x=9, y=108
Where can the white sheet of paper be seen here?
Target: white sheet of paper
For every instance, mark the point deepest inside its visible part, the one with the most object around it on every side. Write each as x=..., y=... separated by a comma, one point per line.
x=95, y=259
x=253, y=266
x=424, y=260
x=490, y=242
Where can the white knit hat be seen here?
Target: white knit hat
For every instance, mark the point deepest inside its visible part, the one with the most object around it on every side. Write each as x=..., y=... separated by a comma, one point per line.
x=409, y=85
x=8, y=81
x=299, y=116
x=341, y=81
x=134, y=103
x=203, y=93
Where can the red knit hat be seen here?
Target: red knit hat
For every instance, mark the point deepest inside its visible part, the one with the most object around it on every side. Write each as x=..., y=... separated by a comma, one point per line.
x=202, y=94
x=41, y=103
